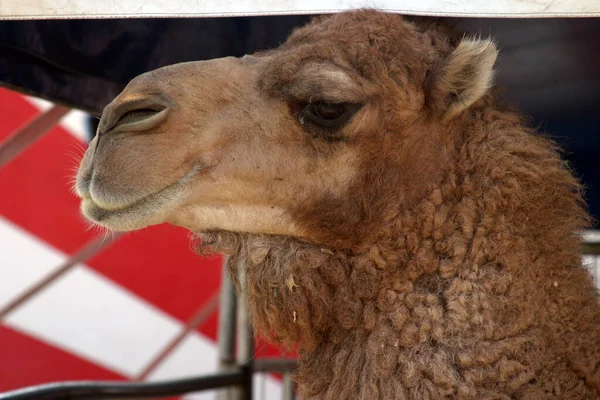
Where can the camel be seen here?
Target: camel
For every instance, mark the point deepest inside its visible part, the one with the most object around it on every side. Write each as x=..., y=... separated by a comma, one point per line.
x=408, y=231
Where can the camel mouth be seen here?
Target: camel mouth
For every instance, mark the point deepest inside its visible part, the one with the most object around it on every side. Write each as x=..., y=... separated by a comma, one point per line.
x=100, y=213
x=145, y=208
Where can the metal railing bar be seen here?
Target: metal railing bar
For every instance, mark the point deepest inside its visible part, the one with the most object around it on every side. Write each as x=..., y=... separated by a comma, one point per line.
x=197, y=319
x=25, y=136
x=590, y=248
x=227, y=320
x=275, y=365
x=117, y=390
x=289, y=389
x=227, y=326
x=90, y=249
x=245, y=337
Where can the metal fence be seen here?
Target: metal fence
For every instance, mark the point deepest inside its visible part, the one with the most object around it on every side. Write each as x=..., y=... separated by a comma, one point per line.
x=236, y=368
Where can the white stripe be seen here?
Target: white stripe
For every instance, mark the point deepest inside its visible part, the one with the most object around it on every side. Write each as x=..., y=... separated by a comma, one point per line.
x=195, y=356
x=266, y=387
x=88, y=315
x=24, y=261
x=592, y=262
x=591, y=235
x=74, y=122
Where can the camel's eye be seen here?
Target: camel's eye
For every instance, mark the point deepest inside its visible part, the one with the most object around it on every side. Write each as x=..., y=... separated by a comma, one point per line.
x=326, y=114
x=327, y=111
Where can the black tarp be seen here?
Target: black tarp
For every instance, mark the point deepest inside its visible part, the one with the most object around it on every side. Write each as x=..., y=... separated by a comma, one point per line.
x=550, y=67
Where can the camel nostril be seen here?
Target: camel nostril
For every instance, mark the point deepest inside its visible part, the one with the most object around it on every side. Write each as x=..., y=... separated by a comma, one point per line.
x=134, y=114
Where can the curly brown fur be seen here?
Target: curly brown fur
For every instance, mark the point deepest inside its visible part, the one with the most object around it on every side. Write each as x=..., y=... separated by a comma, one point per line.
x=477, y=292
x=473, y=289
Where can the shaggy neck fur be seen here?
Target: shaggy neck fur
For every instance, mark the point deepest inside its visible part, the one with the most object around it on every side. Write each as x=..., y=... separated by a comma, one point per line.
x=476, y=293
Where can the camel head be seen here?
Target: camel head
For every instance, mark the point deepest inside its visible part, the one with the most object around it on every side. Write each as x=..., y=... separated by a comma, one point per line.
x=323, y=138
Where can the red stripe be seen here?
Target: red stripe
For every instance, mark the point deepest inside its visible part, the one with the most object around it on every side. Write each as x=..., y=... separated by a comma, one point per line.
x=26, y=361
x=15, y=112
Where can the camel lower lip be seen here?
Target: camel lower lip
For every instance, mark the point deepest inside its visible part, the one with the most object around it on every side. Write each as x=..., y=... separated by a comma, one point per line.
x=110, y=208
x=98, y=213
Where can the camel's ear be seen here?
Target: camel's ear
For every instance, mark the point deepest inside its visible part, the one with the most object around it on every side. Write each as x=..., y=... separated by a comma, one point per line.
x=465, y=76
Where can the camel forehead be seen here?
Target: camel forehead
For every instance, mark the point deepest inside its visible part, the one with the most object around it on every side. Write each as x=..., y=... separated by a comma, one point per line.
x=362, y=44
x=350, y=28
